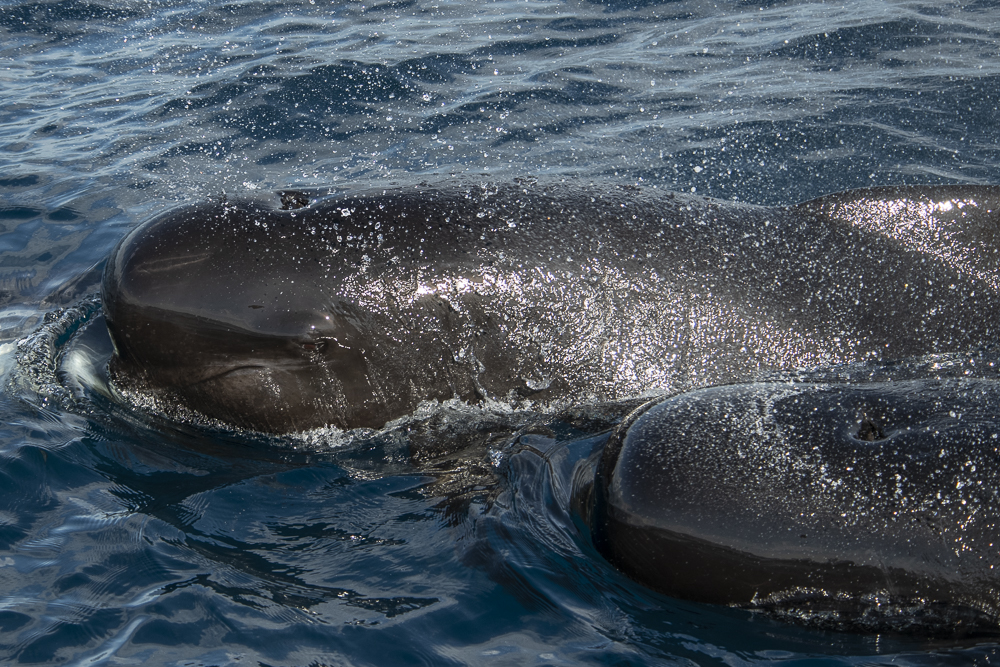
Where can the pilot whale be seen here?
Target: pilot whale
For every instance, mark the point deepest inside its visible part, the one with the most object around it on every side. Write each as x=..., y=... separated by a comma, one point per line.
x=866, y=503
x=866, y=500
x=352, y=310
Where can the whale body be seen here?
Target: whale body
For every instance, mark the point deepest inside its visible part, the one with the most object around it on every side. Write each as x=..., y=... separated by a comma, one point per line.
x=352, y=310
x=865, y=503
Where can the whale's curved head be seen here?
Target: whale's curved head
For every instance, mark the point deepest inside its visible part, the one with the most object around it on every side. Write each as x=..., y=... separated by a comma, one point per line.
x=226, y=309
x=859, y=505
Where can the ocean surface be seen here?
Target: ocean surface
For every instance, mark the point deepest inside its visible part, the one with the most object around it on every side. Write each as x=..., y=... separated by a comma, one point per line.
x=125, y=539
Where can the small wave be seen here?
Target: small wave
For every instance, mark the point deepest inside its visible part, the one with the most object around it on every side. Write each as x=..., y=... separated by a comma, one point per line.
x=36, y=376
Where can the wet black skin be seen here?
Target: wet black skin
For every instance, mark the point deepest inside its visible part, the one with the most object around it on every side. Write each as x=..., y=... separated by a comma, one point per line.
x=351, y=311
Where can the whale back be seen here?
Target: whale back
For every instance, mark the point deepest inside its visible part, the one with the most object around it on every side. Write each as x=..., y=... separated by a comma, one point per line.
x=958, y=225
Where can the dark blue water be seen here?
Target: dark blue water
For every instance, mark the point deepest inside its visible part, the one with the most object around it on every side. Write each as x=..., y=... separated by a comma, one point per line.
x=125, y=539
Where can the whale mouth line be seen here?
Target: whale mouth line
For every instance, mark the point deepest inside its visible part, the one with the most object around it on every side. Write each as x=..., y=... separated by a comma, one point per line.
x=228, y=371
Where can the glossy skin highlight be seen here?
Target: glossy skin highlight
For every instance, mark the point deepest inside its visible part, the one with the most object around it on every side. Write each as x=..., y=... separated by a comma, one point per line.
x=353, y=310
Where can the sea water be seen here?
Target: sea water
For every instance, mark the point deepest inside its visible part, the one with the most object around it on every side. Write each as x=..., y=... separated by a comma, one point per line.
x=126, y=539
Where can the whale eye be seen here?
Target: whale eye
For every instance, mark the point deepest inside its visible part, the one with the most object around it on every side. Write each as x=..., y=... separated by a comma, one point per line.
x=316, y=345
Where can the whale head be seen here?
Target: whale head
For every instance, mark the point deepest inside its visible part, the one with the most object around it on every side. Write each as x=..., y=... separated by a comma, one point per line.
x=231, y=311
